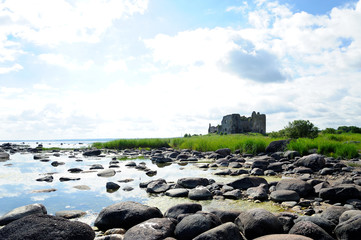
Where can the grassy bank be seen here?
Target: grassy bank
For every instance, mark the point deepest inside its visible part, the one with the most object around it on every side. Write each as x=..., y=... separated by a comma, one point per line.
x=346, y=145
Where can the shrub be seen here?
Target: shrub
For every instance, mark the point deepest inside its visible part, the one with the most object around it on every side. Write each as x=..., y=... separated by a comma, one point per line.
x=301, y=129
x=329, y=131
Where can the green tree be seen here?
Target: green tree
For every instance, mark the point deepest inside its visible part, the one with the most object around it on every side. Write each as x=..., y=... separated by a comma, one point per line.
x=301, y=129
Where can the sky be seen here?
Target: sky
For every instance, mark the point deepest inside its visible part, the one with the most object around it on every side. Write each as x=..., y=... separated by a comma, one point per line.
x=160, y=68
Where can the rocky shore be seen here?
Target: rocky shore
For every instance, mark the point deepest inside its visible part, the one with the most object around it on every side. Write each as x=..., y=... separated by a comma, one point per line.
x=321, y=197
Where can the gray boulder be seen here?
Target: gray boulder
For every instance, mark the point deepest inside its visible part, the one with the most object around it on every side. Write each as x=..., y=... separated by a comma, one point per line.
x=193, y=225
x=96, y=152
x=184, y=208
x=311, y=230
x=226, y=231
x=125, y=215
x=283, y=237
x=112, y=187
x=200, y=193
x=192, y=182
x=22, y=211
x=319, y=221
x=350, y=229
x=234, y=194
x=70, y=214
x=339, y=193
x=258, y=222
x=348, y=214
x=44, y=227
x=277, y=146
x=106, y=173
x=152, y=229
x=301, y=187
x=333, y=213
x=246, y=182
x=157, y=186
x=226, y=215
x=284, y=195
x=258, y=193
x=224, y=152
x=313, y=161
x=177, y=192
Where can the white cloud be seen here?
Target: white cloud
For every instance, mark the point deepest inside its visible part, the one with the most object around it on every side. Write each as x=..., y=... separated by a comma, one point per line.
x=16, y=67
x=64, y=61
x=115, y=65
x=8, y=91
x=42, y=86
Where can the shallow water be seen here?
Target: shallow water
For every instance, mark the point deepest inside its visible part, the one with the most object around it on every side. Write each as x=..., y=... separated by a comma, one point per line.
x=18, y=181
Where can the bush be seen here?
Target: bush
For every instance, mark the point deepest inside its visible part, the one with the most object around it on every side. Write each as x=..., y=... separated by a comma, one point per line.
x=329, y=131
x=301, y=129
x=351, y=129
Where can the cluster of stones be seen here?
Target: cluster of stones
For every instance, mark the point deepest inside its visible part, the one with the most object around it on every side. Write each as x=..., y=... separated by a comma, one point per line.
x=132, y=220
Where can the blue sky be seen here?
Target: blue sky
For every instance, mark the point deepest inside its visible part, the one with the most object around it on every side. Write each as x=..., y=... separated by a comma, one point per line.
x=158, y=68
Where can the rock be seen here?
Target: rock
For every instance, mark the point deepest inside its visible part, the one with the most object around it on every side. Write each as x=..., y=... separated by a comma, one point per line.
x=177, y=192
x=44, y=227
x=193, y=225
x=4, y=156
x=277, y=146
x=112, y=187
x=44, y=190
x=22, y=211
x=64, y=179
x=131, y=164
x=75, y=170
x=226, y=215
x=82, y=187
x=284, y=195
x=184, y=208
x=96, y=166
x=339, y=193
x=276, y=167
x=192, y=182
x=311, y=230
x=313, y=161
x=246, y=182
x=333, y=213
x=152, y=229
x=319, y=221
x=223, y=172
x=115, y=231
x=302, y=170
x=69, y=214
x=200, y=193
x=257, y=172
x=350, y=229
x=301, y=187
x=348, y=214
x=224, y=152
x=259, y=163
x=287, y=220
x=326, y=171
x=258, y=193
x=110, y=237
x=125, y=215
x=45, y=179
x=157, y=186
x=283, y=237
x=234, y=194
x=96, y=152
x=226, y=231
x=128, y=189
x=258, y=222
x=291, y=154
x=57, y=163
x=106, y=173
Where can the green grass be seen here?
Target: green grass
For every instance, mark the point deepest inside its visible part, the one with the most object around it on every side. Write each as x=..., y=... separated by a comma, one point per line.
x=122, y=144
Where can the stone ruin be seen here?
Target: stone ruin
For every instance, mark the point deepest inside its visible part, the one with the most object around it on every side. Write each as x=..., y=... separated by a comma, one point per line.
x=235, y=123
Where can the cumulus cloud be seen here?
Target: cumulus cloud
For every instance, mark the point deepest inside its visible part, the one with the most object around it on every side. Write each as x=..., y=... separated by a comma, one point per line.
x=64, y=61
x=16, y=67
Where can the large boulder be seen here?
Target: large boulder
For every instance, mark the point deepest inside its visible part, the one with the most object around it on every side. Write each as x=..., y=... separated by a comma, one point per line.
x=192, y=182
x=200, y=193
x=152, y=229
x=106, y=173
x=326, y=225
x=350, y=229
x=95, y=152
x=183, y=208
x=313, y=161
x=226, y=215
x=301, y=187
x=224, y=152
x=339, y=193
x=246, y=182
x=277, y=146
x=258, y=193
x=258, y=222
x=333, y=213
x=22, y=211
x=311, y=230
x=348, y=214
x=283, y=237
x=4, y=156
x=193, y=225
x=226, y=231
x=44, y=227
x=125, y=215
x=158, y=186
x=177, y=192
x=284, y=195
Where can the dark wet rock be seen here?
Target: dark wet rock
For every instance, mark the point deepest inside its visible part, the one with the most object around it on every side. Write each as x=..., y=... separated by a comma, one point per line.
x=226, y=231
x=114, y=166
x=184, y=208
x=22, y=211
x=157, y=186
x=224, y=152
x=4, y=156
x=57, y=163
x=302, y=170
x=284, y=195
x=112, y=187
x=319, y=221
x=276, y=167
x=270, y=173
x=38, y=157
x=75, y=170
x=239, y=172
x=44, y=160
x=235, y=165
x=110, y=237
x=182, y=156
x=340, y=193
x=96, y=152
x=327, y=171
x=283, y=237
x=200, y=193
x=301, y=187
x=151, y=173
x=290, y=154
x=287, y=220
x=125, y=215
x=106, y=173
x=246, y=182
x=126, y=180
x=223, y=172
x=70, y=214
x=192, y=182
x=152, y=229
x=128, y=189
x=333, y=213
x=320, y=186
x=234, y=194
x=313, y=161
x=44, y=227
x=115, y=231
x=257, y=172
x=350, y=229
x=262, y=164
x=258, y=222
x=44, y=190
x=203, y=165
x=45, y=179
x=348, y=214
x=311, y=230
x=65, y=179
x=131, y=164
x=258, y=193
x=177, y=192
x=277, y=146
x=96, y=166
x=193, y=225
